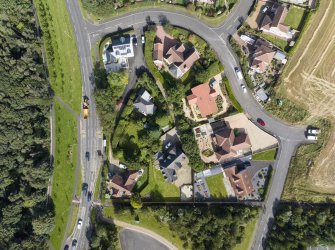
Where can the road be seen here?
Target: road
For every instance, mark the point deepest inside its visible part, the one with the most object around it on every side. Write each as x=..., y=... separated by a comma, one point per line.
x=217, y=37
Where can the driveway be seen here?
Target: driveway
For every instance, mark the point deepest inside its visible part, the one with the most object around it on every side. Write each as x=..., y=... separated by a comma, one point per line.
x=133, y=240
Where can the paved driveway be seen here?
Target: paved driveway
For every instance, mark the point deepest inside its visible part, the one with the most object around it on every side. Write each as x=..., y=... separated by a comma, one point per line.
x=133, y=240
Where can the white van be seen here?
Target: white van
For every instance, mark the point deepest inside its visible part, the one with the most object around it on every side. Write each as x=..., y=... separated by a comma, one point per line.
x=312, y=137
x=313, y=131
x=238, y=73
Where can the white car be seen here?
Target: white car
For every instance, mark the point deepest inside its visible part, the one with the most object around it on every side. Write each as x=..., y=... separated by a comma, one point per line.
x=266, y=8
x=312, y=137
x=80, y=223
x=244, y=88
x=313, y=131
x=143, y=40
x=122, y=166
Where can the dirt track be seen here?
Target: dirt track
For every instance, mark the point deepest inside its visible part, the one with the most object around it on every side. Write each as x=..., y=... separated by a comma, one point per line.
x=310, y=81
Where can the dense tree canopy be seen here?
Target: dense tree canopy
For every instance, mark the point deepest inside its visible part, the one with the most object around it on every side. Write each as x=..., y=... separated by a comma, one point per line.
x=298, y=227
x=25, y=221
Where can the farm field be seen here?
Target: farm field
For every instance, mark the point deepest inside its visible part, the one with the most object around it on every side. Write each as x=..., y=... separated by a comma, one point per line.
x=309, y=80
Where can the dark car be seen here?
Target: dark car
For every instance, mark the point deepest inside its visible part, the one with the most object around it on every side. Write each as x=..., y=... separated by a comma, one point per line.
x=66, y=247
x=74, y=244
x=260, y=122
x=87, y=155
x=89, y=196
x=85, y=188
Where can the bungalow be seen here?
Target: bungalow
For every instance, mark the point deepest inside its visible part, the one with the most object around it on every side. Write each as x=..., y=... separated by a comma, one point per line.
x=144, y=104
x=177, y=58
x=275, y=24
x=203, y=97
x=240, y=181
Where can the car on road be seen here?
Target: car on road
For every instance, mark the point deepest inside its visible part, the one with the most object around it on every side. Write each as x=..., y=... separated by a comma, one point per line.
x=80, y=223
x=85, y=188
x=89, y=196
x=143, y=39
x=313, y=131
x=66, y=247
x=74, y=244
x=244, y=88
x=87, y=156
x=260, y=122
x=239, y=73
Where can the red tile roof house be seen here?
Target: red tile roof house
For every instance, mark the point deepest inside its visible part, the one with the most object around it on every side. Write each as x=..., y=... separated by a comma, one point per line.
x=122, y=186
x=240, y=181
x=176, y=57
x=276, y=25
x=227, y=145
x=262, y=57
x=204, y=97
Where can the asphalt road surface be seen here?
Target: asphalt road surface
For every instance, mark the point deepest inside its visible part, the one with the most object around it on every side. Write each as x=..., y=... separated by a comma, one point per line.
x=133, y=240
x=217, y=37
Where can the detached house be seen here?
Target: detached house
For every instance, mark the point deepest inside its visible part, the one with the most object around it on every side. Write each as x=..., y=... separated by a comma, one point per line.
x=227, y=145
x=262, y=56
x=121, y=185
x=175, y=57
x=240, y=181
x=144, y=103
x=275, y=24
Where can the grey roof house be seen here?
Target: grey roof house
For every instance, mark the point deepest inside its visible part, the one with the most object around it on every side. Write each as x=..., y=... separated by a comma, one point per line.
x=170, y=162
x=144, y=103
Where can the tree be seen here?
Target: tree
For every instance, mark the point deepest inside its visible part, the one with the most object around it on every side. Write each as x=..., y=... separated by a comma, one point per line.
x=136, y=201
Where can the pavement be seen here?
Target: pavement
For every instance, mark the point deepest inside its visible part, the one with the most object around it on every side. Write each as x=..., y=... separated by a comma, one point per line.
x=289, y=137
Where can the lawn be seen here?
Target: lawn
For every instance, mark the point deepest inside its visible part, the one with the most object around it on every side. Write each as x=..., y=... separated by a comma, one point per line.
x=147, y=220
x=216, y=186
x=159, y=188
x=248, y=236
x=64, y=171
x=62, y=56
x=294, y=17
x=280, y=43
x=268, y=155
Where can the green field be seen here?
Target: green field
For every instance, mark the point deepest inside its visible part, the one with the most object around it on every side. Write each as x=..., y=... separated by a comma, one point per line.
x=147, y=220
x=159, y=188
x=294, y=17
x=268, y=155
x=248, y=236
x=64, y=171
x=216, y=187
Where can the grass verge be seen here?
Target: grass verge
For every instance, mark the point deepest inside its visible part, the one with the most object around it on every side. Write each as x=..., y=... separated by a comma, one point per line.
x=159, y=189
x=231, y=96
x=145, y=5
x=73, y=220
x=147, y=220
x=268, y=155
x=298, y=186
x=98, y=185
x=216, y=187
x=64, y=171
x=62, y=56
x=248, y=236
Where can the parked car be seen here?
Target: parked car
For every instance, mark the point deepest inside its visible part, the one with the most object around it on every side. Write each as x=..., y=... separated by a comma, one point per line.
x=74, y=244
x=143, y=39
x=80, y=223
x=89, y=196
x=87, y=156
x=313, y=131
x=239, y=73
x=244, y=88
x=312, y=137
x=260, y=122
x=122, y=166
x=265, y=9
x=135, y=40
x=168, y=145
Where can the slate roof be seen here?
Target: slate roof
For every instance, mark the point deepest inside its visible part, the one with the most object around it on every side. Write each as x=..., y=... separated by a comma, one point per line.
x=144, y=104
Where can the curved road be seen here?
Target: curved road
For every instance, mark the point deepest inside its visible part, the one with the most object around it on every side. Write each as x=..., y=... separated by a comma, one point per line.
x=217, y=37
